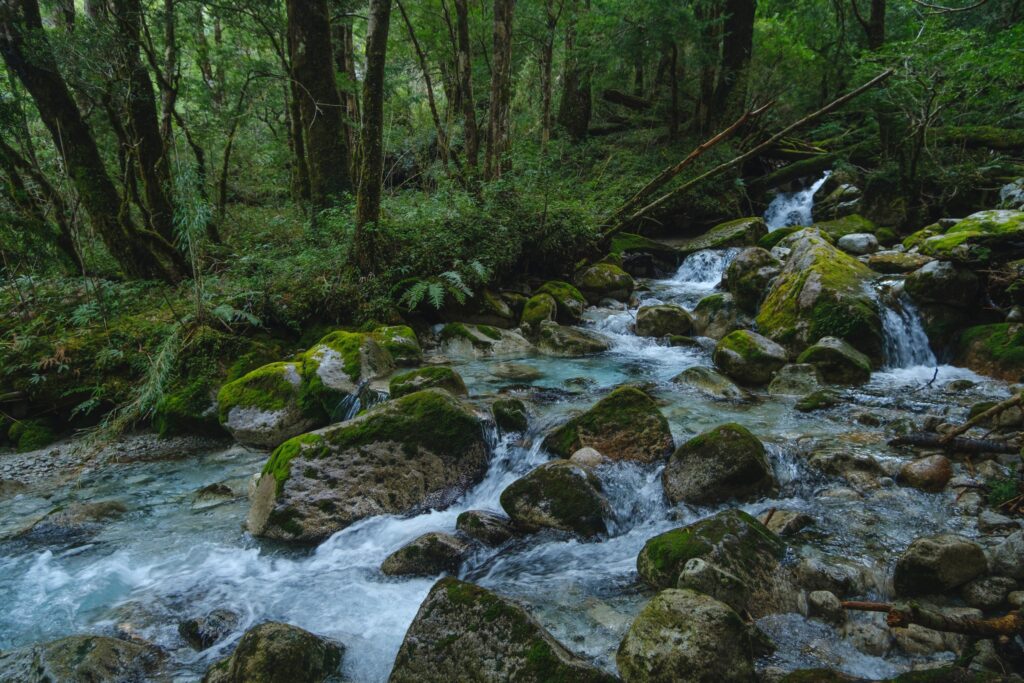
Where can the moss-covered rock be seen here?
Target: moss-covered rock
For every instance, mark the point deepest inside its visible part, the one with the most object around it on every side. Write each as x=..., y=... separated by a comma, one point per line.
x=425, y=378
x=996, y=350
x=569, y=342
x=837, y=362
x=822, y=292
x=510, y=415
x=334, y=367
x=770, y=240
x=417, y=452
x=463, y=632
x=460, y=340
x=627, y=244
x=31, y=435
x=82, y=658
x=569, y=301
x=726, y=463
x=487, y=527
x=796, y=379
x=558, y=495
x=819, y=400
x=749, y=358
x=427, y=555
x=663, y=320
x=401, y=343
x=742, y=232
x=605, y=281
x=682, y=636
x=941, y=282
x=203, y=632
x=539, y=308
x=896, y=262
x=710, y=384
x=190, y=409
x=982, y=238
x=268, y=406
x=716, y=315
x=847, y=225
x=487, y=307
x=624, y=425
x=273, y=652
x=748, y=276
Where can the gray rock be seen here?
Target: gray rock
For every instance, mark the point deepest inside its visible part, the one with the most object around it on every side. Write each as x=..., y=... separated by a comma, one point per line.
x=726, y=463
x=208, y=630
x=988, y=592
x=749, y=276
x=825, y=606
x=711, y=384
x=795, y=379
x=279, y=653
x=663, y=321
x=558, y=495
x=1008, y=557
x=431, y=554
x=936, y=564
x=786, y=522
x=568, y=342
x=858, y=243
x=837, y=361
x=749, y=358
x=80, y=659
x=941, y=282
x=717, y=315
x=489, y=528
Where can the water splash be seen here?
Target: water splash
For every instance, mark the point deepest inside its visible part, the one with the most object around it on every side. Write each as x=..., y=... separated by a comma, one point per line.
x=363, y=398
x=793, y=208
x=906, y=344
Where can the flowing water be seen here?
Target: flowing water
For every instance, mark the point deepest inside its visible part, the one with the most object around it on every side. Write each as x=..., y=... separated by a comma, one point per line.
x=793, y=208
x=173, y=556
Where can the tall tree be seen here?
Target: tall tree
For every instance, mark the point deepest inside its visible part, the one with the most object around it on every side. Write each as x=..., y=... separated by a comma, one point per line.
x=499, y=140
x=464, y=67
x=737, y=46
x=873, y=24
x=575, y=109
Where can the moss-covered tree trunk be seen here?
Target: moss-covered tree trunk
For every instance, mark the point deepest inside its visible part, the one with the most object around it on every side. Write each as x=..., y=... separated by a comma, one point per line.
x=499, y=139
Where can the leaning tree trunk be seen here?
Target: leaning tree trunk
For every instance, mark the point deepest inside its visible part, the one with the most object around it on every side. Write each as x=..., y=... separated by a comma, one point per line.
x=464, y=67
x=575, y=109
x=499, y=126
x=140, y=253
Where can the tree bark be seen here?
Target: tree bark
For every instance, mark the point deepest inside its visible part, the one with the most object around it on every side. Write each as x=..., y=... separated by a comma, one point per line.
x=575, y=109
x=737, y=46
x=547, y=59
x=499, y=125
x=345, y=63
x=464, y=69
x=873, y=24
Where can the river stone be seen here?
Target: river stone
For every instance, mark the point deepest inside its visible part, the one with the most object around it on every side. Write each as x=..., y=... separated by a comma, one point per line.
x=510, y=415
x=1008, y=557
x=795, y=379
x=83, y=658
x=569, y=301
x=265, y=407
x=682, y=636
x=742, y=232
x=624, y=425
x=204, y=632
x=663, y=320
x=463, y=341
x=589, y=457
x=988, y=592
x=858, y=243
x=941, y=282
x=935, y=564
x=717, y=315
x=825, y=606
x=726, y=463
x=837, y=361
x=837, y=575
x=785, y=522
x=558, y=495
x=278, y=653
x=605, y=281
x=426, y=378
x=75, y=523
x=819, y=400
x=427, y=555
x=748, y=276
x=930, y=473
x=896, y=262
x=516, y=372
x=417, y=452
x=538, y=308
x=749, y=358
x=489, y=528
x=568, y=342
x=463, y=632
x=711, y=384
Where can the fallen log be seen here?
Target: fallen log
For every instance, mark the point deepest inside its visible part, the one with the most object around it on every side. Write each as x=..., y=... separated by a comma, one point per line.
x=625, y=100
x=982, y=418
x=956, y=445
x=902, y=615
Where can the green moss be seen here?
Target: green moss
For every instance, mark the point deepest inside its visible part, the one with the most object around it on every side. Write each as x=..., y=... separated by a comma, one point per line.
x=30, y=435
x=400, y=341
x=775, y=236
x=1003, y=343
x=847, y=225
x=570, y=300
x=187, y=410
x=489, y=332
x=605, y=280
x=918, y=238
x=347, y=345
x=818, y=400
x=556, y=488
x=627, y=410
x=459, y=331
x=279, y=464
x=630, y=243
x=538, y=308
x=266, y=388
x=741, y=232
x=425, y=378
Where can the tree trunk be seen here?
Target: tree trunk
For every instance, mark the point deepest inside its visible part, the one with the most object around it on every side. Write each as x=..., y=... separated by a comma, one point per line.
x=320, y=109
x=464, y=68
x=140, y=253
x=499, y=125
x=673, y=80
x=547, y=58
x=737, y=45
x=873, y=24
x=345, y=63
x=575, y=109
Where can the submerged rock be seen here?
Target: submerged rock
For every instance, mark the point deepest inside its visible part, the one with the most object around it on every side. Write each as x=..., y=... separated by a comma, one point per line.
x=75, y=523
x=797, y=379
x=624, y=425
x=819, y=400
x=559, y=340
x=463, y=632
x=711, y=384
x=489, y=528
x=837, y=361
x=935, y=564
x=204, y=632
x=605, y=281
x=428, y=555
x=510, y=415
x=558, y=495
x=80, y=658
x=278, y=653
x=717, y=315
x=726, y=463
x=417, y=452
x=749, y=358
x=438, y=377
x=663, y=321
x=749, y=275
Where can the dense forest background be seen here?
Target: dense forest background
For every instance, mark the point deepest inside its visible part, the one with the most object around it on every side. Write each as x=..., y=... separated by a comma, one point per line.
x=191, y=188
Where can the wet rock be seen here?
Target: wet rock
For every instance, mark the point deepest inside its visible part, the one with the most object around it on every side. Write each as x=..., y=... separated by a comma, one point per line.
x=936, y=564
x=538, y=308
x=710, y=384
x=991, y=522
x=515, y=372
x=558, y=495
x=836, y=201
x=1016, y=599
x=858, y=243
x=896, y=262
x=1008, y=557
x=825, y=606
x=941, y=282
x=589, y=457
x=336, y=365
x=510, y=415
x=711, y=579
x=76, y=523
x=558, y=340
x=463, y=632
x=204, y=632
x=605, y=281
x=464, y=341
x=821, y=399
x=624, y=425
x=264, y=408
x=749, y=358
x=988, y=592
x=795, y=379
x=834, y=574
x=401, y=343
x=837, y=362
x=742, y=232
x=682, y=636
x=428, y=555
x=993, y=350
x=929, y=474
x=663, y=320
x=869, y=637
x=749, y=275
x=975, y=240
x=80, y=658
x=278, y=653
x=569, y=301
x=919, y=641
x=438, y=376
x=785, y=522
x=489, y=528
x=717, y=315
x=726, y=463
x=420, y=451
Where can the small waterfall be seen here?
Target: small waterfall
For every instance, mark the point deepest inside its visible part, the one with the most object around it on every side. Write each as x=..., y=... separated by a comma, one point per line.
x=698, y=276
x=906, y=344
x=793, y=208
x=362, y=398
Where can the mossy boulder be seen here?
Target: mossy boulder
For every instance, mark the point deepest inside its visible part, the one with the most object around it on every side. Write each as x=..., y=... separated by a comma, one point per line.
x=847, y=225
x=190, y=409
x=569, y=342
x=682, y=636
x=796, y=379
x=995, y=350
x=401, y=343
x=628, y=244
x=837, y=362
x=484, y=526
x=487, y=307
x=937, y=564
x=748, y=276
x=896, y=262
x=463, y=632
x=710, y=384
x=427, y=555
x=982, y=238
x=268, y=406
x=439, y=377
x=749, y=358
x=663, y=320
x=822, y=292
x=742, y=232
x=772, y=239
x=624, y=425
x=31, y=434
x=539, y=308
x=605, y=281
x=716, y=315
x=569, y=301
x=510, y=415
x=818, y=400
x=418, y=452
x=558, y=495
x=273, y=652
x=943, y=283
x=725, y=463
x=334, y=367
x=203, y=632
x=82, y=658
x=462, y=340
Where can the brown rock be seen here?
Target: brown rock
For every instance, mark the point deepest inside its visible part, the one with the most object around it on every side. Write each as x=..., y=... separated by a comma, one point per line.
x=928, y=474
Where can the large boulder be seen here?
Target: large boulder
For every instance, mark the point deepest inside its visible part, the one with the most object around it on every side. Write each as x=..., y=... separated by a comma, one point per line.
x=936, y=564
x=644, y=257
x=417, y=452
x=716, y=315
x=334, y=367
x=748, y=276
x=726, y=463
x=431, y=554
x=996, y=350
x=742, y=232
x=400, y=341
x=682, y=636
x=837, y=361
x=487, y=527
x=425, y=378
x=605, y=281
x=982, y=238
x=268, y=406
x=279, y=653
x=749, y=358
x=463, y=632
x=896, y=262
x=558, y=495
x=569, y=301
x=80, y=659
x=663, y=320
x=711, y=384
x=624, y=425
x=821, y=292
x=943, y=283
x=461, y=340
x=796, y=379
x=511, y=415
x=538, y=308
x=560, y=340
x=853, y=224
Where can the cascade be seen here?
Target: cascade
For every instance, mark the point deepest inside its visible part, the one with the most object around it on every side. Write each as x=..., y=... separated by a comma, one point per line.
x=793, y=208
